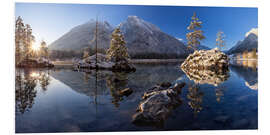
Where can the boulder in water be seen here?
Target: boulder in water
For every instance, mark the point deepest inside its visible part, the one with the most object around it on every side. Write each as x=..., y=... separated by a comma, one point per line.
x=157, y=104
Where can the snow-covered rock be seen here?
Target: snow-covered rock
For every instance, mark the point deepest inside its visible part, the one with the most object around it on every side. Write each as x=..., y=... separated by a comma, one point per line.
x=103, y=63
x=157, y=104
x=206, y=59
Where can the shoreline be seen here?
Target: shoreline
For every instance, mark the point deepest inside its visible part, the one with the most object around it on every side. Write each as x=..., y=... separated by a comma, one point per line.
x=65, y=64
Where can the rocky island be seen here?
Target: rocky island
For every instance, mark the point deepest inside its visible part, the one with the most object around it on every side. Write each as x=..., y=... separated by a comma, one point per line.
x=157, y=103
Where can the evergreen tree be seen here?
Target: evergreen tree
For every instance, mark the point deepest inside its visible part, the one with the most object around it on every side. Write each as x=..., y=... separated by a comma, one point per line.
x=19, y=39
x=195, y=35
x=29, y=39
x=220, y=41
x=117, y=51
x=44, y=51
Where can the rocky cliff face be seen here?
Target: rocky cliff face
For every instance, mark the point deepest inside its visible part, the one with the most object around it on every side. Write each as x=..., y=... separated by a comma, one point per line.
x=141, y=38
x=248, y=44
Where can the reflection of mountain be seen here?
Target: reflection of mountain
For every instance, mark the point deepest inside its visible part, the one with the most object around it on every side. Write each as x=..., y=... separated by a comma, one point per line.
x=253, y=87
x=248, y=74
x=145, y=77
x=84, y=83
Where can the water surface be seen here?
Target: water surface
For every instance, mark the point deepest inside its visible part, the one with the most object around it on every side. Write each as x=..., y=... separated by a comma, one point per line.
x=67, y=101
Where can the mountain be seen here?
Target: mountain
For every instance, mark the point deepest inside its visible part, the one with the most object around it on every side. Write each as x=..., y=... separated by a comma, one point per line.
x=83, y=36
x=249, y=43
x=145, y=38
x=142, y=38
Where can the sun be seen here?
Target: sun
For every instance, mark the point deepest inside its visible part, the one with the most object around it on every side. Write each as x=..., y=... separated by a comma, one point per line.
x=35, y=46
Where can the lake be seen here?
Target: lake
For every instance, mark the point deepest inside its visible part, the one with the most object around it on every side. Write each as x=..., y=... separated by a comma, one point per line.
x=63, y=100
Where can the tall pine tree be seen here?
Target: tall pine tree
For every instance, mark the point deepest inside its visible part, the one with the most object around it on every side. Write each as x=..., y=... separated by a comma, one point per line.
x=19, y=39
x=118, y=51
x=220, y=41
x=29, y=39
x=196, y=34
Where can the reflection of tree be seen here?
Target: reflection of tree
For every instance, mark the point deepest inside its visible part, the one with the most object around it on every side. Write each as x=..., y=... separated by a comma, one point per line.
x=44, y=80
x=115, y=83
x=24, y=90
x=220, y=92
x=196, y=97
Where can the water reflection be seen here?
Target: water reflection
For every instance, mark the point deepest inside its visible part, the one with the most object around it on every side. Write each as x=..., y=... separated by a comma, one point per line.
x=116, y=82
x=25, y=83
x=219, y=92
x=114, y=110
x=248, y=70
x=212, y=77
x=195, y=97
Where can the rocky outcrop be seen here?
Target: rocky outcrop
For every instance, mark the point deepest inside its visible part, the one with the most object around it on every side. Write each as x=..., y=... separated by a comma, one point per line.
x=35, y=63
x=206, y=59
x=103, y=63
x=157, y=104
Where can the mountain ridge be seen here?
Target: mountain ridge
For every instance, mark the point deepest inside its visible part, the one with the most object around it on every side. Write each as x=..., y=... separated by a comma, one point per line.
x=141, y=38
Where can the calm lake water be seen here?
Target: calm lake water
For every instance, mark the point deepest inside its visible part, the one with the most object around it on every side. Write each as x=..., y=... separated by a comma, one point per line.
x=67, y=101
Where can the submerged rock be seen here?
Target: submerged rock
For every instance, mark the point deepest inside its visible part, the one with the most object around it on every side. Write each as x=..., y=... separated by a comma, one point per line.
x=35, y=63
x=206, y=59
x=102, y=63
x=157, y=104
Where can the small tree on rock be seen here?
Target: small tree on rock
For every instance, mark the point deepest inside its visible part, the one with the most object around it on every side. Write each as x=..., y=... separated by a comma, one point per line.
x=196, y=34
x=117, y=51
x=220, y=41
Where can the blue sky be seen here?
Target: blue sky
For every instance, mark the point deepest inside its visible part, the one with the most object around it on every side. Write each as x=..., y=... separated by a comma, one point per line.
x=50, y=21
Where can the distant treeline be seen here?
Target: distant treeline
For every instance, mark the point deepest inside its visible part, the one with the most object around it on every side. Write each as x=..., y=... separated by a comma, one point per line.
x=156, y=56
x=70, y=54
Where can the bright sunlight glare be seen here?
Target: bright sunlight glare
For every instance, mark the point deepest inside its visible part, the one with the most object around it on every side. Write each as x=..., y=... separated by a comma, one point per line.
x=36, y=46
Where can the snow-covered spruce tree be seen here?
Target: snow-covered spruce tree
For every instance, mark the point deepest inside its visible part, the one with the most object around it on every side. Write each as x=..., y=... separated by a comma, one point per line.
x=196, y=34
x=220, y=41
x=44, y=51
x=117, y=51
x=19, y=39
x=29, y=39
